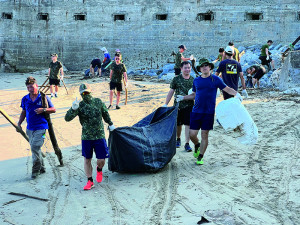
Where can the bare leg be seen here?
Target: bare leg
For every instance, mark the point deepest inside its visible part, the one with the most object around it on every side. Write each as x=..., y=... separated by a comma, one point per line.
x=100, y=163
x=51, y=89
x=118, y=97
x=92, y=71
x=253, y=82
x=111, y=96
x=88, y=169
x=257, y=83
x=272, y=63
x=193, y=136
x=187, y=133
x=56, y=88
x=178, y=131
x=204, y=141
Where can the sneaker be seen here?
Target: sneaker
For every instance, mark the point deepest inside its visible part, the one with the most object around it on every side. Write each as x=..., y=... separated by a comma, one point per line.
x=42, y=170
x=89, y=185
x=52, y=95
x=199, y=161
x=34, y=175
x=178, y=143
x=55, y=95
x=109, y=107
x=197, y=152
x=187, y=147
x=118, y=107
x=99, y=176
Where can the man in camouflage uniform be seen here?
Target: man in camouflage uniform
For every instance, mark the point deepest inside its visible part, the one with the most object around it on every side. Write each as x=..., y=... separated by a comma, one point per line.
x=55, y=68
x=179, y=59
x=181, y=85
x=118, y=70
x=91, y=111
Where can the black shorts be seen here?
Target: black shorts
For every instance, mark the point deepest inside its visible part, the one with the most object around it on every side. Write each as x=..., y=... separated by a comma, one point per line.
x=259, y=74
x=54, y=81
x=177, y=71
x=113, y=85
x=184, y=115
x=202, y=121
x=96, y=62
x=264, y=60
x=226, y=95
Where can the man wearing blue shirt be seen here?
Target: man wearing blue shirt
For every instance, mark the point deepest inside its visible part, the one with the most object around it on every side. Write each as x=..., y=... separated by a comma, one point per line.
x=37, y=124
x=202, y=116
x=231, y=72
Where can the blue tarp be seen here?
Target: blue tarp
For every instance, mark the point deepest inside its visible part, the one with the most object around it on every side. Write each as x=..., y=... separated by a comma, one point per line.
x=147, y=146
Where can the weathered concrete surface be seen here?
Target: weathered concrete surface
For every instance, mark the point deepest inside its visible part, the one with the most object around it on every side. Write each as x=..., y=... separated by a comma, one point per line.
x=288, y=77
x=145, y=41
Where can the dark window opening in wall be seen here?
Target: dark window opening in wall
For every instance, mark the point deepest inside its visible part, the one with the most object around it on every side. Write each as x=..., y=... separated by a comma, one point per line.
x=254, y=16
x=162, y=16
x=79, y=16
x=205, y=16
x=298, y=16
x=43, y=16
x=119, y=17
x=7, y=16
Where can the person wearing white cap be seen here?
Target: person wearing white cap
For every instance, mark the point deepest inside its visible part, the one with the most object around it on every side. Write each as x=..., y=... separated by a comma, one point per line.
x=231, y=72
x=106, y=59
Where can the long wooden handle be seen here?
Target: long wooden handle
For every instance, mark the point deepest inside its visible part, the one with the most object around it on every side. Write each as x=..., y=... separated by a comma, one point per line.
x=65, y=86
x=14, y=124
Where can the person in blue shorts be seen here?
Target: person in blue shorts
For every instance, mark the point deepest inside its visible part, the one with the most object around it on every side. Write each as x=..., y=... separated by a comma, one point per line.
x=91, y=111
x=37, y=124
x=202, y=116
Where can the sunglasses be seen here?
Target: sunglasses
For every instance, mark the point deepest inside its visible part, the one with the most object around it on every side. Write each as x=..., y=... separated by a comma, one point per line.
x=205, y=64
x=85, y=93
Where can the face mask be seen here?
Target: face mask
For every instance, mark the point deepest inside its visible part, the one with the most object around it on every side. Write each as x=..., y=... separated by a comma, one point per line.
x=87, y=98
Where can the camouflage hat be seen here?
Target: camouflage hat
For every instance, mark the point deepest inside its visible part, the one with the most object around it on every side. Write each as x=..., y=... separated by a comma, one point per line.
x=203, y=61
x=30, y=80
x=54, y=54
x=85, y=88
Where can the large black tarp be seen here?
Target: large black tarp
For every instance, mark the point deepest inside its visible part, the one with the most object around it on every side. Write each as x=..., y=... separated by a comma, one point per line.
x=147, y=146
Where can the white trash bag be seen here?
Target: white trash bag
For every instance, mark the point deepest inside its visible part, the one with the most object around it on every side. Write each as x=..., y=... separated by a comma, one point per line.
x=233, y=116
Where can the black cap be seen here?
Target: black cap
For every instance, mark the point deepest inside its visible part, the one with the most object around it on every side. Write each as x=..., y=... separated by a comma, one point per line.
x=182, y=46
x=270, y=41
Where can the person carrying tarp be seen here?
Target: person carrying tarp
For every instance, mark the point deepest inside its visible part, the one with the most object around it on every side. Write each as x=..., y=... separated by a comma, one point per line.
x=106, y=59
x=96, y=62
x=37, y=124
x=202, y=116
x=181, y=85
x=90, y=112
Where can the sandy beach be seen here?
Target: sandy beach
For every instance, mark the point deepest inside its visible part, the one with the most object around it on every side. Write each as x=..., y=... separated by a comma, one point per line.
x=238, y=184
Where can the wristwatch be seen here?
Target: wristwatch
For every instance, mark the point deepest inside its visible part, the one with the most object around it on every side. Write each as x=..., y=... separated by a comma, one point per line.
x=44, y=110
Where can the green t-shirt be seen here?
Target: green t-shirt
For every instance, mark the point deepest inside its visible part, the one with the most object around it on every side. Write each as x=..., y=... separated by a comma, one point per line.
x=118, y=71
x=178, y=60
x=220, y=57
x=182, y=87
x=90, y=117
x=263, y=50
x=54, y=70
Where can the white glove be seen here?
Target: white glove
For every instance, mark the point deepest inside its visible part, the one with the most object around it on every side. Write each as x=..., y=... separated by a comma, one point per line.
x=190, y=91
x=111, y=128
x=268, y=57
x=238, y=96
x=165, y=105
x=179, y=98
x=191, y=57
x=75, y=104
x=62, y=77
x=244, y=93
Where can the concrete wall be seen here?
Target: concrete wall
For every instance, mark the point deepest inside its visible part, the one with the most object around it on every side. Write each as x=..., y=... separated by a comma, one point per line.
x=144, y=41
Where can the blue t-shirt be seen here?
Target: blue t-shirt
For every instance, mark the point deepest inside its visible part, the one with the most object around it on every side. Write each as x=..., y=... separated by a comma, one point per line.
x=206, y=93
x=106, y=55
x=35, y=121
x=230, y=70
